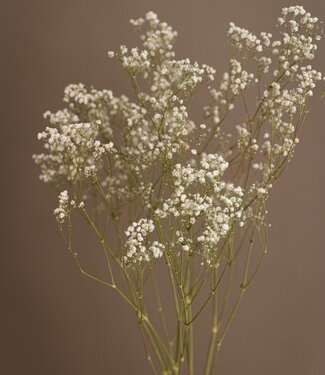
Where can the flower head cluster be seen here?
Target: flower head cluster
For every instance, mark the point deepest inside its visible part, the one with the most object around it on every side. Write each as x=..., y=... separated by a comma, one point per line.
x=246, y=141
x=300, y=31
x=73, y=148
x=62, y=212
x=138, y=248
x=158, y=37
x=89, y=105
x=243, y=39
x=232, y=84
x=122, y=153
x=203, y=201
x=193, y=191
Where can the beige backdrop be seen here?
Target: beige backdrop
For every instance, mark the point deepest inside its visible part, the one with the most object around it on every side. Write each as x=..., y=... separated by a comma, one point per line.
x=54, y=321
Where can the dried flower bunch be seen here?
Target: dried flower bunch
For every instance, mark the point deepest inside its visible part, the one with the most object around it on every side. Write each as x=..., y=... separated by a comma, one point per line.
x=190, y=197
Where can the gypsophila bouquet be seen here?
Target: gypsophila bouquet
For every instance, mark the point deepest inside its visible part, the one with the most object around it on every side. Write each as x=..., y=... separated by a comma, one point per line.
x=186, y=197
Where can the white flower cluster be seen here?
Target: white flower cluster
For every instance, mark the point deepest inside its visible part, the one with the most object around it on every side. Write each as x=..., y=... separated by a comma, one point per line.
x=61, y=117
x=238, y=79
x=89, y=106
x=77, y=94
x=187, y=75
x=283, y=104
x=297, y=40
x=62, y=211
x=158, y=127
x=159, y=37
x=134, y=153
x=76, y=148
x=287, y=88
x=246, y=142
x=134, y=61
x=307, y=81
x=201, y=198
x=300, y=28
x=138, y=248
x=145, y=146
x=242, y=39
x=232, y=84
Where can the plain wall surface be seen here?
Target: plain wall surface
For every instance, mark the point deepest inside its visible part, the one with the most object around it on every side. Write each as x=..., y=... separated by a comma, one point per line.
x=56, y=322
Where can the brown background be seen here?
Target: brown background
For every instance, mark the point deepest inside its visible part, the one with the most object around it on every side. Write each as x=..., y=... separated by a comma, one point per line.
x=54, y=321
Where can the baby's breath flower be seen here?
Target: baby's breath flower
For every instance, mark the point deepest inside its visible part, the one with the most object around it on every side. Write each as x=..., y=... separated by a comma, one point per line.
x=137, y=249
x=191, y=193
x=62, y=212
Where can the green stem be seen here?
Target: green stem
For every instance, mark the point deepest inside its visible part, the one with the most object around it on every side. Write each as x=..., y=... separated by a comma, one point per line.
x=147, y=352
x=160, y=309
x=214, y=329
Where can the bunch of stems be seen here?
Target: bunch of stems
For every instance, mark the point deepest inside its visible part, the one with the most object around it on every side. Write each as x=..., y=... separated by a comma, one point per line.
x=169, y=347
